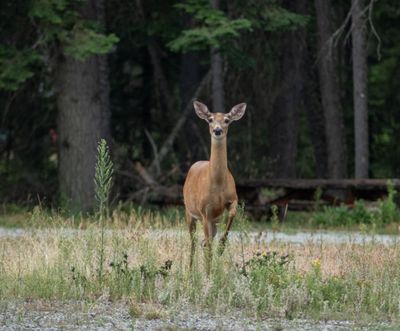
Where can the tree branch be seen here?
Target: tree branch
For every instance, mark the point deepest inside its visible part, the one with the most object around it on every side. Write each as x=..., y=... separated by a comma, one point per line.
x=166, y=147
x=158, y=71
x=155, y=151
x=371, y=24
x=333, y=40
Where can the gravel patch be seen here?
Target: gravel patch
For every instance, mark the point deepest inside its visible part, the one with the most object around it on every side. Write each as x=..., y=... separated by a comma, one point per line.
x=262, y=237
x=72, y=315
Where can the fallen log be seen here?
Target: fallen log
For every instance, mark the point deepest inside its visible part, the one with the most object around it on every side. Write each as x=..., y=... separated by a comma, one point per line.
x=362, y=184
x=295, y=194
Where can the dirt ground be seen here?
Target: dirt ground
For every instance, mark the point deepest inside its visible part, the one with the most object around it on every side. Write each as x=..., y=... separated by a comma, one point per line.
x=105, y=315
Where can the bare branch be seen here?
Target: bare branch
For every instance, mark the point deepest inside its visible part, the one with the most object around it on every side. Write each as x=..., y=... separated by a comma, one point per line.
x=348, y=34
x=334, y=39
x=166, y=147
x=155, y=152
x=144, y=174
x=159, y=74
x=371, y=24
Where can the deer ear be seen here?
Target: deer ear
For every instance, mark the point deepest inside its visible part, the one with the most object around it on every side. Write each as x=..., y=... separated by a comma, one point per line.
x=201, y=110
x=237, y=112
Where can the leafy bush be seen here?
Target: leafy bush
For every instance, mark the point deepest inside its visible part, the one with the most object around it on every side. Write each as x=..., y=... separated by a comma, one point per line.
x=387, y=212
x=332, y=216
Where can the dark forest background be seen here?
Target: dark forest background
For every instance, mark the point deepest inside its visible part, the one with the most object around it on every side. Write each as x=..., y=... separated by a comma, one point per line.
x=321, y=80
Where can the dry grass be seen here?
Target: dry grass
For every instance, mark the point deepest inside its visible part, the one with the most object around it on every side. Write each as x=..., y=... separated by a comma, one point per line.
x=45, y=248
x=347, y=280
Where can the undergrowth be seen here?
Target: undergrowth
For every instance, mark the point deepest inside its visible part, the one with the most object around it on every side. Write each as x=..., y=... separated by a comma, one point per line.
x=385, y=212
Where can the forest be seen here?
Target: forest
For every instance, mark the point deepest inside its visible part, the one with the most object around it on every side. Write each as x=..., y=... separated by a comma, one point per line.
x=320, y=79
x=99, y=125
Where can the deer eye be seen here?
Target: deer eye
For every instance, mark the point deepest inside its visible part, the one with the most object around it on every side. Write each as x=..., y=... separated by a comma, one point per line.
x=210, y=120
x=226, y=120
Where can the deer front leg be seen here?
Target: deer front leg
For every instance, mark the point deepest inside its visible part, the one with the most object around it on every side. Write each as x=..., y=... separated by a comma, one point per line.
x=209, y=232
x=191, y=221
x=231, y=215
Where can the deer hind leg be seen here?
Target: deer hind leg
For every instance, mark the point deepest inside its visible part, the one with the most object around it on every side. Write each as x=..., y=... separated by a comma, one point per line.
x=191, y=221
x=231, y=215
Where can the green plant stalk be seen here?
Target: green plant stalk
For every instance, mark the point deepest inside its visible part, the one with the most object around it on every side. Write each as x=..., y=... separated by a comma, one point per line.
x=103, y=181
x=101, y=262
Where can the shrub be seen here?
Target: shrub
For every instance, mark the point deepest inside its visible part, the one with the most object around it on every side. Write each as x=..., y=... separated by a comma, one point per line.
x=387, y=212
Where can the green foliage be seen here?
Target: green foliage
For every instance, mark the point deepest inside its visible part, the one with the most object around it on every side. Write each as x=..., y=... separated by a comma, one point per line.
x=275, y=216
x=268, y=275
x=386, y=212
x=332, y=216
x=54, y=11
x=60, y=21
x=269, y=265
x=270, y=16
x=278, y=18
x=86, y=42
x=16, y=66
x=325, y=292
x=343, y=216
x=214, y=29
x=141, y=280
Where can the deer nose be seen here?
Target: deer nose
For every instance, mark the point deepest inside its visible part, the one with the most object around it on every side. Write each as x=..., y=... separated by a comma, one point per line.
x=217, y=131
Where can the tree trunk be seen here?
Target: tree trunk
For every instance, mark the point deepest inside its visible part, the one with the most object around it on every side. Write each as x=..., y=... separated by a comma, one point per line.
x=217, y=80
x=316, y=126
x=359, y=54
x=329, y=86
x=83, y=119
x=284, y=138
x=315, y=116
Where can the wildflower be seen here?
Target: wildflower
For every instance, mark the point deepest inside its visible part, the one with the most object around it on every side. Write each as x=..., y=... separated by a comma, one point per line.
x=316, y=263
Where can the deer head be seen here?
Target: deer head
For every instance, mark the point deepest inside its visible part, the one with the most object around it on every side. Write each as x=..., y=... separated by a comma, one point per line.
x=219, y=122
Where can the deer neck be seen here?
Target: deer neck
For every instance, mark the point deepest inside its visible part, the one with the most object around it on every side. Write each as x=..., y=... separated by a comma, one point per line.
x=218, y=162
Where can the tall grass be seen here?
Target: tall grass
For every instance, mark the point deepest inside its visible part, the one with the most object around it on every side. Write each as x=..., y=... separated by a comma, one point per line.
x=144, y=265
x=142, y=256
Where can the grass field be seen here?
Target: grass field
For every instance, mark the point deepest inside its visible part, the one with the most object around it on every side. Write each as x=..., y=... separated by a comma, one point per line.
x=143, y=259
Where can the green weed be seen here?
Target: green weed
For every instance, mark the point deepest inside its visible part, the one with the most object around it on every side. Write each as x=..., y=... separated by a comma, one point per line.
x=386, y=212
x=103, y=180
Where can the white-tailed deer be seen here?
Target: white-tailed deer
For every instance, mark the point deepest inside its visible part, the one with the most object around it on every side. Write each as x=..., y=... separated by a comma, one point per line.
x=209, y=187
